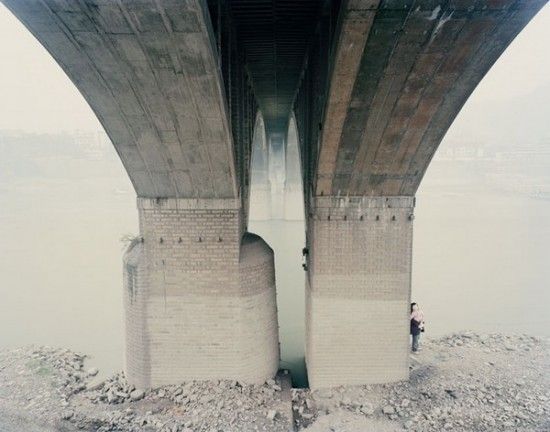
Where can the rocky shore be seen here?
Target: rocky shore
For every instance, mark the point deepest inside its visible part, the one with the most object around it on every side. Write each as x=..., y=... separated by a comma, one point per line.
x=49, y=389
x=465, y=382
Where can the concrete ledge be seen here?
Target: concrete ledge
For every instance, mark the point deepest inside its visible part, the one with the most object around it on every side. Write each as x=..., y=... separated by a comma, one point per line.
x=362, y=202
x=188, y=203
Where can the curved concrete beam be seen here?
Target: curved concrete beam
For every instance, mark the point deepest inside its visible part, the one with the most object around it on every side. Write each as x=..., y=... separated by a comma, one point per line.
x=402, y=70
x=259, y=158
x=292, y=154
x=149, y=71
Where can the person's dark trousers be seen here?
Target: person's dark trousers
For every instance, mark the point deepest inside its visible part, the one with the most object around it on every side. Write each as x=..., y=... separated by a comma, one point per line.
x=415, y=342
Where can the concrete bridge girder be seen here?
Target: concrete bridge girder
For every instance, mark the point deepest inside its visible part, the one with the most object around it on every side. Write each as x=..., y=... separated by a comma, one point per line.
x=293, y=192
x=260, y=185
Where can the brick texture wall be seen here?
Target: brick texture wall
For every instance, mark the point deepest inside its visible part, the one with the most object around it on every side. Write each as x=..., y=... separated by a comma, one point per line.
x=199, y=296
x=358, y=290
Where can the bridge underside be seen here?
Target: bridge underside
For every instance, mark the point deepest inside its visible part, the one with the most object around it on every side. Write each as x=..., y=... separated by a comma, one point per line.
x=275, y=36
x=150, y=74
x=401, y=74
x=373, y=86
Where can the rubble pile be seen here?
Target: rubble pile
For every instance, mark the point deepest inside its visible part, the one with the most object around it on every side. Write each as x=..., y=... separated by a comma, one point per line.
x=52, y=388
x=114, y=390
x=490, y=342
x=191, y=406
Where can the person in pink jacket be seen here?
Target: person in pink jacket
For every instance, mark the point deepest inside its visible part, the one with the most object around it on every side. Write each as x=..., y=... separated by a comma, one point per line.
x=417, y=325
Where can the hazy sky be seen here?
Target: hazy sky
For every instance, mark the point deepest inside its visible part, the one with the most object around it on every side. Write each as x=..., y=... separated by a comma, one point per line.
x=36, y=96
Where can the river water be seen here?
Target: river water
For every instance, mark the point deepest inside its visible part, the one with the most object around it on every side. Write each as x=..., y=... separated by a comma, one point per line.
x=480, y=259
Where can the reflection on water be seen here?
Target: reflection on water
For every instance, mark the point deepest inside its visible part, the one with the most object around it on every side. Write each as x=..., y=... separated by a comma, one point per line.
x=480, y=262
x=287, y=238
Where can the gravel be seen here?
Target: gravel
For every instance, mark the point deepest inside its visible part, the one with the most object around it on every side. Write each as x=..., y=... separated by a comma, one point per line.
x=461, y=382
x=50, y=387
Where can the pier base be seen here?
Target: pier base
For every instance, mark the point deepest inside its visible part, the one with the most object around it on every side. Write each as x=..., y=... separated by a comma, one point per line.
x=358, y=290
x=199, y=296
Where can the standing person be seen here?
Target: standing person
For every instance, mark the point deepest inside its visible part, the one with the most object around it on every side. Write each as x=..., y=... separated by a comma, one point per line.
x=417, y=325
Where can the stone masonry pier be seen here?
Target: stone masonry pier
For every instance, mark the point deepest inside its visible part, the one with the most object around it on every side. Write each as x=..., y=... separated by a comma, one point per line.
x=358, y=290
x=199, y=296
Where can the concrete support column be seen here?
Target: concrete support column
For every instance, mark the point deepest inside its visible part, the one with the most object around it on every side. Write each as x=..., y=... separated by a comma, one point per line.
x=199, y=296
x=358, y=290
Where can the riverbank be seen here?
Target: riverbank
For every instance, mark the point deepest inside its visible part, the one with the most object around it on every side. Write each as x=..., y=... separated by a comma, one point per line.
x=466, y=382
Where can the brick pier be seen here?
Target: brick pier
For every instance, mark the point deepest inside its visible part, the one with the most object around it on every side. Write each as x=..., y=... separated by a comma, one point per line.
x=199, y=296
x=358, y=290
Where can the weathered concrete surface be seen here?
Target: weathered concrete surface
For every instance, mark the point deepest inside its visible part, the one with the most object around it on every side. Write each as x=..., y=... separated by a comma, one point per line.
x=382, y=79
x=149, y=71
x=199, y=296
x=275, y=36
x=358, y=290
x=372, y=107
x=355, y=23
x=400, y=73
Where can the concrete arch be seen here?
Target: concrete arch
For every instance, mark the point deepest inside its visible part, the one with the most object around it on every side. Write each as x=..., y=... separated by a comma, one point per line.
x=290, y=178
x=150, y=73
x=394, y=93
x=293, y=157
x=397, y=77
x=260, y=156
x=260, y=186
x=294, y=194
